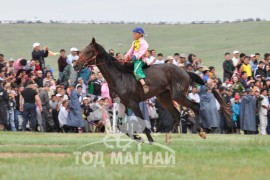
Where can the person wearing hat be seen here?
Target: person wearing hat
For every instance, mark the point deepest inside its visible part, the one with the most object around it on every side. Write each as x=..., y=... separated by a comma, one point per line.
x=254, y=61
x=39, y=55
x=205, y=72
x=69, y=74
x=199, y=70
x=209, y=116
x=183, y=59
x=81, y=83
x=169, y=59
x=137, y=55
x=236, y=113
x=235, y=58
x=74, y=118
x=248, y=113
x=73, y=55
x=86, y=112
x=47, y=119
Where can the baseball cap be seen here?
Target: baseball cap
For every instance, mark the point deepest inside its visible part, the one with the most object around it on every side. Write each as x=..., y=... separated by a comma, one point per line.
x=258, y=76
x=73, y=49
x=99, y=99
x=169, y=58
x=252, y=55
x=58, y=95
x=183, y=56
x=72, y=84
x=85, y=98
x=80, y=78
x=235, y=52
x=36, y=44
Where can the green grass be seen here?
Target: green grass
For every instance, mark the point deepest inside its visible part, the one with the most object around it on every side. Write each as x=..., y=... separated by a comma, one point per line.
x=209, y=41
x=50, y=156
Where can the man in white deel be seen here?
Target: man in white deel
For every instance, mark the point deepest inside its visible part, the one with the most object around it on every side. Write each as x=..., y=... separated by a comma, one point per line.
x=235, y=58
x=73, y=55
x=263, y=111
x=193, y=96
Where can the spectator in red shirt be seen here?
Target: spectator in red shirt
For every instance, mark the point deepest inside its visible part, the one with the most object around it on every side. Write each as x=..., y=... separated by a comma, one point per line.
x=62, y=63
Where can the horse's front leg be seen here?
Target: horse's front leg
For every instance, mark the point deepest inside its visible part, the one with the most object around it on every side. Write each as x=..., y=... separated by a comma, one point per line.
x=137, y=111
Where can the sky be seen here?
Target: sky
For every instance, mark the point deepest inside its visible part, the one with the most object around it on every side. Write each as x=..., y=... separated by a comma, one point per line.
x=136, y=10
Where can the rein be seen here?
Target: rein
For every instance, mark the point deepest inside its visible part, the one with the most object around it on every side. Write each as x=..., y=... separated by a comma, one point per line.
x=94, y=58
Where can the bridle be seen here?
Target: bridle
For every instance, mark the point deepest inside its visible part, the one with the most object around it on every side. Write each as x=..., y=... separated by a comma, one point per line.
x=94, y=58
x=87, y=61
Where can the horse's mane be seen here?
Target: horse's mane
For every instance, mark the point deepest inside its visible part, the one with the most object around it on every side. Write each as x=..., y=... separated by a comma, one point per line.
x=123, y=68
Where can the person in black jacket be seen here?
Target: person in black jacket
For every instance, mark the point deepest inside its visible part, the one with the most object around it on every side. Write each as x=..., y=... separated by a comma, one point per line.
x=39, y=55
x=259, y=70
x=228, y=67
x=4, y=106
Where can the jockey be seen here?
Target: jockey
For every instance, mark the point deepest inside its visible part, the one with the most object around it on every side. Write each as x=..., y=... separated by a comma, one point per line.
x=137, y=54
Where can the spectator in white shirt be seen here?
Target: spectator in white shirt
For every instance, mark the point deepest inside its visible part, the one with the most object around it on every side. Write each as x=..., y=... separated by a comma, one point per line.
x=73, y=55
x=194, y=95
x=176, y=59
x=152, y=57
x=263, y=111
x=235, y=58
x=159, y=59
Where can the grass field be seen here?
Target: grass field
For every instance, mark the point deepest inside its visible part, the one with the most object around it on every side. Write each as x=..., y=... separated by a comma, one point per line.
x=50, y=156
x=208, y=41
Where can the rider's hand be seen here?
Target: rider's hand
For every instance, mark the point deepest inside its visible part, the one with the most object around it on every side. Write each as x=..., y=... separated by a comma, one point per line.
x=134, y=57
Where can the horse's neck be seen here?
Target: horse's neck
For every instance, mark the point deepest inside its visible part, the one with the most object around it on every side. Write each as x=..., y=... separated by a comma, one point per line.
x=109, y=72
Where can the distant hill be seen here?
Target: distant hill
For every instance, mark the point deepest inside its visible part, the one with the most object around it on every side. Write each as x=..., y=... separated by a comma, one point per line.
x=207, y=41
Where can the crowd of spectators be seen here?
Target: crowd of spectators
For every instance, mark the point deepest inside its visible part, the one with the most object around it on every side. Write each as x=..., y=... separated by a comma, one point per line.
x=34, y=98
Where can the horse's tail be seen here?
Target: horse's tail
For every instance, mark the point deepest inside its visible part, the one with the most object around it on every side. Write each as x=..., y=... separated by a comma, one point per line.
x=195, y=78
x=225, y=109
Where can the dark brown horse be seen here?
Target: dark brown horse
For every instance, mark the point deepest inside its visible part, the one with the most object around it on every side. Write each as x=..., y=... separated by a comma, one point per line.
x=167, y=82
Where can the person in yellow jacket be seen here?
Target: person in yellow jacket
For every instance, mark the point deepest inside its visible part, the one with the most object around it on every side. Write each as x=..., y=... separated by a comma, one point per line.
x=247, y=67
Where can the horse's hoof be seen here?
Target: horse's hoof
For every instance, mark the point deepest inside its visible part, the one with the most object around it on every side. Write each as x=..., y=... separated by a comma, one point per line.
x=202, y=134
x=168, y=138
x=139, y=139
x=151, y=142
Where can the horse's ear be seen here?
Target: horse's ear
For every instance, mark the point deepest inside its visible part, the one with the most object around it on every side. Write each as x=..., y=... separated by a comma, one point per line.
x=93, y=41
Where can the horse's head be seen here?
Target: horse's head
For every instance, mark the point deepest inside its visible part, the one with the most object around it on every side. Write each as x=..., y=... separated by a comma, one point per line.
x=87, y=56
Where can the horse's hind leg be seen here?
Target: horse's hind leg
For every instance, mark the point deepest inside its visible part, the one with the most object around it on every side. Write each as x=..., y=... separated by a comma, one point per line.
x=195, y=107
x=166, y=101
